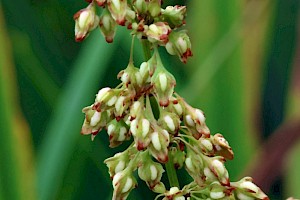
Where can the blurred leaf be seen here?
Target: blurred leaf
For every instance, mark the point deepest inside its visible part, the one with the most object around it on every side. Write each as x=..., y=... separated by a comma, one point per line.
x=217, y=80
x=16, y=167
x=63, y=130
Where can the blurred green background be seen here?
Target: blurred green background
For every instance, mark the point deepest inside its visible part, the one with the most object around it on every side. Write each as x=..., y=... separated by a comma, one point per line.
x=245, y=76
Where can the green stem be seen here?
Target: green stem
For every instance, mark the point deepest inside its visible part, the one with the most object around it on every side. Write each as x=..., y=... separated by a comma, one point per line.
x=146, y=49
x=171, y=172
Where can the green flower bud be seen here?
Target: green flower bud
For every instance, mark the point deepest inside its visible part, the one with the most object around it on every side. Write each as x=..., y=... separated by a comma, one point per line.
x=206, y=146
x=179, y=44
x=144, y=71
x=140, y=6
x=163, y=84
x=169, y=121
x=94, y=121
x=195, y=121
x=195, y=166
x=218, y=169
x=154, y=8
x=216, y=191
x=86, y=20
x=117, y=163
x=107, y=26
x=159, y=188
x=158, y=32
x=123, y=183
x=106, y=98
x=117, y=132
x=246, y=189
x=158, y=147
x=174, y=15
x=150, y=171
x=140, y=129
x=118, y=10
x=131, y=77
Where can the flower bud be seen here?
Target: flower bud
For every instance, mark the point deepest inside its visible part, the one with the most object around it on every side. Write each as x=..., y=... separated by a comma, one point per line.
x=222, y=147
x=163, y=84
x=150, y=171
x=136, y=110
x=123, y=183
x=154, y=8
x=86, y=20
x=121, y=105
x=195, y=121
x=195, y=166
x=106, y=98
x=144, y=71
x=117, y=163
x=131, y=77
x=117, y=132
x=107, y=26
x=216, y=191
x=140, y=6
x=159, y=188
x=169, y=121
x=94, y=121
x=218, y=169
x=160, y=140
x=246, y=189
x=158, y=32
x=118, y=9
x=174, y=15
x=206, y=146
x=179, y=44
x=141, y=129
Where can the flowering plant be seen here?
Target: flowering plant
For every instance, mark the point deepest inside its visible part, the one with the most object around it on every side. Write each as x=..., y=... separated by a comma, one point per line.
x=173, y=137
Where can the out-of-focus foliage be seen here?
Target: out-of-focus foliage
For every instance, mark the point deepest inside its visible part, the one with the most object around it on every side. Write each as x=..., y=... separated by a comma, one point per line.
x=243, y=75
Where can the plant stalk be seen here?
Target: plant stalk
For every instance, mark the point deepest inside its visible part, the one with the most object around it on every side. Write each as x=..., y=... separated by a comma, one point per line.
x=171, y=171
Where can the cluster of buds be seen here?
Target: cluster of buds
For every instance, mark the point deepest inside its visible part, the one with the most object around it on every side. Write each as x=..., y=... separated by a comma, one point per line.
x=145, y=18
x=176, y=129
x=145, y=111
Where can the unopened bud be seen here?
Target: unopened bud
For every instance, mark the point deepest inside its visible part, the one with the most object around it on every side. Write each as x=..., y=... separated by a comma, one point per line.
x=179, y=44
x=154, y=7
x=123, y=183
x=160, y=140
x=158, y=32
x=117, y=163
x=219, y=170
x=150, y=171
x=118, y=10
x=117, y=132
x=164, y=84
x=140, y=6
x=174, y=15
x=107, y=26
x=86, y=20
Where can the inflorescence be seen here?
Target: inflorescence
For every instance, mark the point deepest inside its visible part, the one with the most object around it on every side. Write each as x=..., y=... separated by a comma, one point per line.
x=144, y=109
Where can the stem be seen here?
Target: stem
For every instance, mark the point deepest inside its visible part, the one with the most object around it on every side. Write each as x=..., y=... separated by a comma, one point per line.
x=171, y=172
x=146, y=49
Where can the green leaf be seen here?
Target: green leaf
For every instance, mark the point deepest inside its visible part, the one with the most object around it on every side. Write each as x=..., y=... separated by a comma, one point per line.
x=64, y=128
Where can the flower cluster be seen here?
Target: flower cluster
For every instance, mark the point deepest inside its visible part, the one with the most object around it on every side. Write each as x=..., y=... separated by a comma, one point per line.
x=177, y=128
x=145, y=18
x=144, y=109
